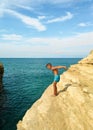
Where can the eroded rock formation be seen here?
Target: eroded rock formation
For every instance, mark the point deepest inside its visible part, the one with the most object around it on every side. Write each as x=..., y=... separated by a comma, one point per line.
x=72, y=109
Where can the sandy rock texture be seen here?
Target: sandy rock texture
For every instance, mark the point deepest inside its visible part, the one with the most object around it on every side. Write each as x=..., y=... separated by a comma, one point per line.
x=72, y=109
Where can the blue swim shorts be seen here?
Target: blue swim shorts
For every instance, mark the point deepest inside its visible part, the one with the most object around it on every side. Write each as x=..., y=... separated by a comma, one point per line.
x=56, y=78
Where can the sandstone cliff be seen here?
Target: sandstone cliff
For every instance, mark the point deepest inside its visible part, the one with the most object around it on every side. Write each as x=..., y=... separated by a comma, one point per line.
x=72, y=109
x=1, y=76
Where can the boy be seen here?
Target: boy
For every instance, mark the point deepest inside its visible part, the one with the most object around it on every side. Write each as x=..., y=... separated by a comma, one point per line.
x=55, y=69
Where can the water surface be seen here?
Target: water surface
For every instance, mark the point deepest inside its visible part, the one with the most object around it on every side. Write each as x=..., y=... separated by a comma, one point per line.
x=24, y=82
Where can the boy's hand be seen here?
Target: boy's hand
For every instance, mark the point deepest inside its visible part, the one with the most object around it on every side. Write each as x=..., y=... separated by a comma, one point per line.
x=65, y=68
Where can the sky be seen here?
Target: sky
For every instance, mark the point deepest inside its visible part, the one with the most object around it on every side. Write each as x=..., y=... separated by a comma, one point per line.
x=46, y=28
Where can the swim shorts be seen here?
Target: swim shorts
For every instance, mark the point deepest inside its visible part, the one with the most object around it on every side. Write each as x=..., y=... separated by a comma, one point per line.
x=56, y=78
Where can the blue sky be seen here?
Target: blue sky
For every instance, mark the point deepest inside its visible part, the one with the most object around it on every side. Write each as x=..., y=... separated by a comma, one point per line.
x=46, y=28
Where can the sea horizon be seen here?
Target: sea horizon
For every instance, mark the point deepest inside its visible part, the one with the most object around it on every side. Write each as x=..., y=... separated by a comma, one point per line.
x=40, y=57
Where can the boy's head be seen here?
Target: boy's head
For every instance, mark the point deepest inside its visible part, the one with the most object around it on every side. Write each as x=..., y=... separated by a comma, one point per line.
x=49, y=66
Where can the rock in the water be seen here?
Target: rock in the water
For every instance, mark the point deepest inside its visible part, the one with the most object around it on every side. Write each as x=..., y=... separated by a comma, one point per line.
x=1, y=76
x=72, y=109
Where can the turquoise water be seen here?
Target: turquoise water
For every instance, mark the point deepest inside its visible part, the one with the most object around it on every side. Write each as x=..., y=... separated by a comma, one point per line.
x=24, y=82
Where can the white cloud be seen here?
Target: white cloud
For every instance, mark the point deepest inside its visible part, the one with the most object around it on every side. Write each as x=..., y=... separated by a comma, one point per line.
x=68, y=16
x=82, y=24
x=13, y=4
x=11, y=37
x=31, y=22
x=85, y=24
x=74, y=46
x=77, y=40
x=25, y=7
x=10, y=4
x=31, y=4
x=41, y=17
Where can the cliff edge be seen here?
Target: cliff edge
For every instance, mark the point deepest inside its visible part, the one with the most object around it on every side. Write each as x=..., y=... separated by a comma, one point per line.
x=72, y=109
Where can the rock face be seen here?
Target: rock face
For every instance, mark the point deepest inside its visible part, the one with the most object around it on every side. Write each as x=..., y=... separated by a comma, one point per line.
x=1, y=76
x=72, y=109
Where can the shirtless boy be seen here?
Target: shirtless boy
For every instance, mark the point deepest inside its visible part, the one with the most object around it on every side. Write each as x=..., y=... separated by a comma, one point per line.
x=55, y=69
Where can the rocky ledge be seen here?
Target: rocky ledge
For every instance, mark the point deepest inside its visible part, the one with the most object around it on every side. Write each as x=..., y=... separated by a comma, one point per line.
x=72, y=109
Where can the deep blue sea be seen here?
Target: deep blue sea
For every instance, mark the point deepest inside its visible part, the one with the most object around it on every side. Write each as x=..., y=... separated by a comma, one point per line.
x=24, y=82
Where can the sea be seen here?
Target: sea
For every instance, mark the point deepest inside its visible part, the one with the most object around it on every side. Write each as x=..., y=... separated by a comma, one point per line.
x=25, y=80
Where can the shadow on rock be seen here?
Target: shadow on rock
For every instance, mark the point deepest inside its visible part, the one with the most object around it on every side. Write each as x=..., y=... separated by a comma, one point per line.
x=65, y=89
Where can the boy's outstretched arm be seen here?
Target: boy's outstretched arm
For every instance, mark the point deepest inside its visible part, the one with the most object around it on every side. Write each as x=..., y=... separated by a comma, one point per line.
x=59, y=67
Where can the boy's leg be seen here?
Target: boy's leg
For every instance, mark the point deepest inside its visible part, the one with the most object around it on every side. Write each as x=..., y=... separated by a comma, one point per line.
x=55, y=88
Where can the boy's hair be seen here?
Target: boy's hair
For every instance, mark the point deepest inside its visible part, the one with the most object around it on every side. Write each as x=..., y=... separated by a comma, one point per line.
x=48, y=64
